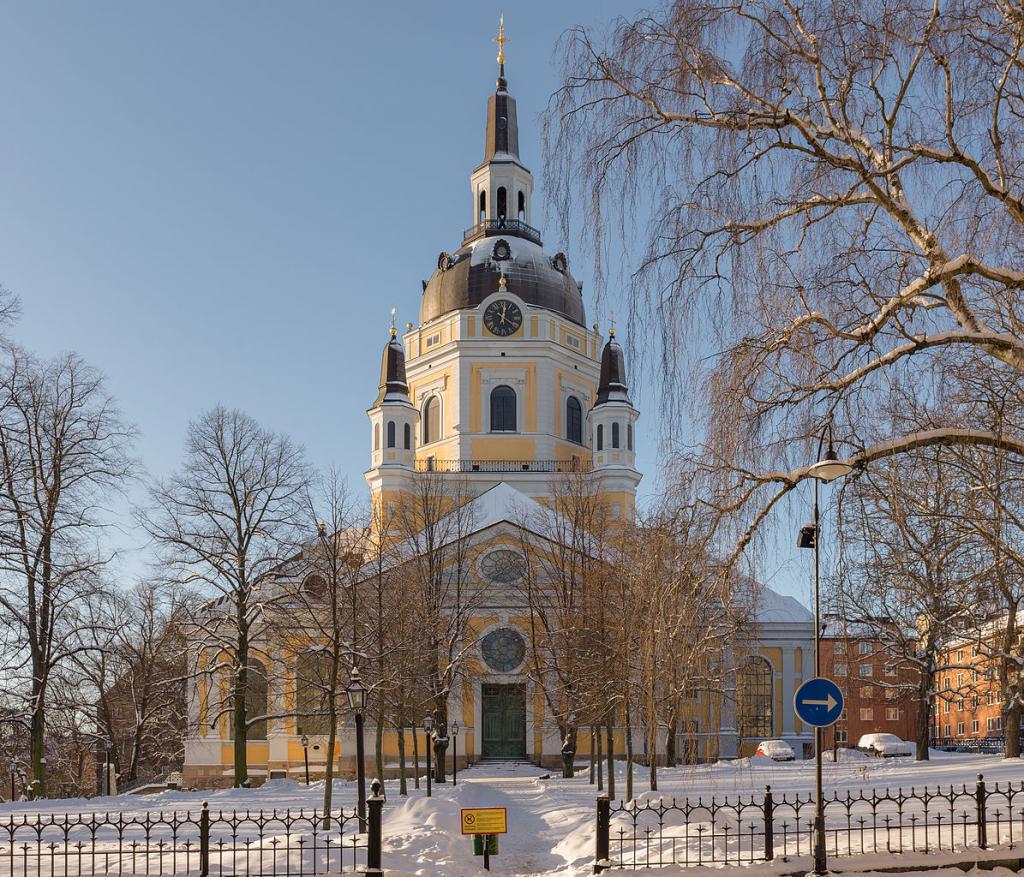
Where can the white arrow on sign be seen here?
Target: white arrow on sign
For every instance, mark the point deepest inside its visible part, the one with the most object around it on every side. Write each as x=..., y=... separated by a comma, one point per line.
x=828, y=703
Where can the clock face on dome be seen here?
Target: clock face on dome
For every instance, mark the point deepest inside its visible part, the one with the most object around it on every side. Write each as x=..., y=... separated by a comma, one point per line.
x=503, y=317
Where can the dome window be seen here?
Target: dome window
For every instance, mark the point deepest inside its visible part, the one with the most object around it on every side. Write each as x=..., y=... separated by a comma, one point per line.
x=502, y=202
x=408, y=436
x=600, y=436
x=574, y=420
x=431, y=420
x=391, y=433
x=615, y=435
x=503, y=409
x=482, y=209
x=522, y=207
x=629, y=436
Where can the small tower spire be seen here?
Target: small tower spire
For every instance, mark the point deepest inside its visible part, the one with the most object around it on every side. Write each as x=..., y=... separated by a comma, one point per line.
x=501, y=39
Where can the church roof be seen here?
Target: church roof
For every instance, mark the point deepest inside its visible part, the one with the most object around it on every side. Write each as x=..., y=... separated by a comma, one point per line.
x=393, y=385
x=466, y=278
x=773, y=607
x=612, y=385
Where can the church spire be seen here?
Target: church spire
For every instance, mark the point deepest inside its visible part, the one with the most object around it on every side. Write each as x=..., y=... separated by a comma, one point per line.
x=501, y=39
x=502, y=141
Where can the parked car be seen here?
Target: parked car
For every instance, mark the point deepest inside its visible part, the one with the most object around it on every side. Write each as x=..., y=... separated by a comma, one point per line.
x=776, y=750
x=884, y=746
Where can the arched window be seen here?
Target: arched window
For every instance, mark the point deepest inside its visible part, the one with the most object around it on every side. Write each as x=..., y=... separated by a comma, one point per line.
x=522, y=207
x=431, y=420
x=629, y=436
x=503, y=409
x=600, y=436
x=408, y=436
x=257, y=699
x=615, y=434
x=574, y=420
x=314, y=587
x=391, y=433
x=312, y=692
x=376, y=436
x=482, y=209
x=502, y=202
x=754, y=698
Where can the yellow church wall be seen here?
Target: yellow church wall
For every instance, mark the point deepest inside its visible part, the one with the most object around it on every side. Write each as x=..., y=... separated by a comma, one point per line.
x=504, y=449
x=470, y=326
x=534, y=326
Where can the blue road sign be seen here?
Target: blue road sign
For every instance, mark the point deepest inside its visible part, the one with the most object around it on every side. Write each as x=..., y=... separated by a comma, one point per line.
x=818, y=702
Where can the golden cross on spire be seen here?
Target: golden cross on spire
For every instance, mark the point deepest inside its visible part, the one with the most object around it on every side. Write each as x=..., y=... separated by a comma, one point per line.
x=501, y=39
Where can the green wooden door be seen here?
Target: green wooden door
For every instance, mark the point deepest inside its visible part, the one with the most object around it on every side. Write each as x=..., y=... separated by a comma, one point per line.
x=504, y=721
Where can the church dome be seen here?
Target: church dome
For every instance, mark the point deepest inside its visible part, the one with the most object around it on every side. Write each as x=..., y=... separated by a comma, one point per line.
x=465, y=278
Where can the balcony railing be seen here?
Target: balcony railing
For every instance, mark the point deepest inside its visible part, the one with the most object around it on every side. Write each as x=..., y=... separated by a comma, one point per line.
x=499, y=226
x=432, y=465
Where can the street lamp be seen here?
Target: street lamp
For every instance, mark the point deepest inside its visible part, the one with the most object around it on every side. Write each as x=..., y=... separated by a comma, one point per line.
x=428, y=726
x=455, y=751
x=356, y=692
x=828, y=468
x=305, y=755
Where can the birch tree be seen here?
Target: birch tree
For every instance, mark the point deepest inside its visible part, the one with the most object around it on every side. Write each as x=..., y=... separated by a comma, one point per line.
x=226, y=520
x=830, y=193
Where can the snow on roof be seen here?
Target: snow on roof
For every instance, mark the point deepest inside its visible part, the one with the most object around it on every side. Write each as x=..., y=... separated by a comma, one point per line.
x=773, y=607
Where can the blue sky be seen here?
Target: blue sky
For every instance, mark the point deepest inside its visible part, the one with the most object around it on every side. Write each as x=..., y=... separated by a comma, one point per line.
x=221, y=202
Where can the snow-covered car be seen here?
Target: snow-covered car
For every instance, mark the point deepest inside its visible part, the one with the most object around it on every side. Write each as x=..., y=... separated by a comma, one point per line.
x=884, y=746
x=776, y=750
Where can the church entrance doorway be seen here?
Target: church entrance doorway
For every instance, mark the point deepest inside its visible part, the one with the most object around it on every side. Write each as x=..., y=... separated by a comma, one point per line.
x=503, y=710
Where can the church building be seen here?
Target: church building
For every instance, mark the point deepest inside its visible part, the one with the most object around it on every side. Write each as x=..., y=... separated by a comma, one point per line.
x=503, y=385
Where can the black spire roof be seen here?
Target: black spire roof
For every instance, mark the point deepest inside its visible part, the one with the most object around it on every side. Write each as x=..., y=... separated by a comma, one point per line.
x=501, y=141
x=612, y=386
x=393, y=386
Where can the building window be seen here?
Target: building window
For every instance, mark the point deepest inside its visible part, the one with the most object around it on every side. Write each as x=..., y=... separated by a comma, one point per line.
x=502, y=202
x=432, y=420
x=754, y=698
x=867, y=714
x=960, y=728
x=891, y=694
x=257, y=699
x=959, y=656
x=574, y=420
x=600, y=436
x=866, y=670
x=433, y=340
x=995, y=723
x=615, y=435
x=975, y=651
x=841, y=737
x=839, y=647
x=522, y=207
x=312, y=692
x=892, y=714
x=840, y=670
x=946, y=706
x=503, y=409
x=376, y=436
x=945, y=730
x=482, y=208
x=629, y=436
x=391, y=433
x=407, y=431
x=867, y=693
x=890, y=669
x=975, y=726
x=865, y=648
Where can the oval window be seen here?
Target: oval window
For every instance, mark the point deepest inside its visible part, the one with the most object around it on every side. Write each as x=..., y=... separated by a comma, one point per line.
x=503, y=566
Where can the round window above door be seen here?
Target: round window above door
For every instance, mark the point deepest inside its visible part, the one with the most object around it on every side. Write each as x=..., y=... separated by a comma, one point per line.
x=503, y=649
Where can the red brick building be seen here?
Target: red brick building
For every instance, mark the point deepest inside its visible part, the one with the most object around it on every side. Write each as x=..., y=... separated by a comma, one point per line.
x=876, y=685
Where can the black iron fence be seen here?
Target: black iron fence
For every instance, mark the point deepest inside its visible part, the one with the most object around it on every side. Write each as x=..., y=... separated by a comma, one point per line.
x=572, y=465
x=745, y=829
x=255, y=843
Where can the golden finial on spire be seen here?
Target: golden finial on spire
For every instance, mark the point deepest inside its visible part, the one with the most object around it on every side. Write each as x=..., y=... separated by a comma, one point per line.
x=394, y=331
x=501, y=39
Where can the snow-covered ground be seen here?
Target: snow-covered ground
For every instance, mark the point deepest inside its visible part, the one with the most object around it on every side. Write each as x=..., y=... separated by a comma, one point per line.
x=551, y=821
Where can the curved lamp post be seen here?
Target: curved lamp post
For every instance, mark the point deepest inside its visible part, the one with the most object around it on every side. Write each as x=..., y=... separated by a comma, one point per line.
x=305, y=754
x=455, y=752
x=356, y=692
x=828, y=468
x=428, y=726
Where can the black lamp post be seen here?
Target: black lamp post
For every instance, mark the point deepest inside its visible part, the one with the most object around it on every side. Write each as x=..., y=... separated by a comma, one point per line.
x=305, y=755
x=428, y=726
x=356, y=692
x=455, y=752
x=828, y=468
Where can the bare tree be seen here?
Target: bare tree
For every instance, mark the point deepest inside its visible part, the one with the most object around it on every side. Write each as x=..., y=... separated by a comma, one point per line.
x=63, y=451
x=834, y=196
x=435, y=518
x=225, y=521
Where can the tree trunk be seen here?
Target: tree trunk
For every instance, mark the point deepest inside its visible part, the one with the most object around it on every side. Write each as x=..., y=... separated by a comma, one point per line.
x=37, y=785
x=593, y=757
x=629, y=753
x=1011, y=731
x=379, y=751
x=671, y=733
x=416, y=756
x=922, y=727
x=403, y=786
x=1011, y=716
x=332, y=738
x=240, y=729
x=610, y=729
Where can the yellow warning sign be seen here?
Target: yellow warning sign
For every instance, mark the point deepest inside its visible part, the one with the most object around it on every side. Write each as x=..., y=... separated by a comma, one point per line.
x=484, y=820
